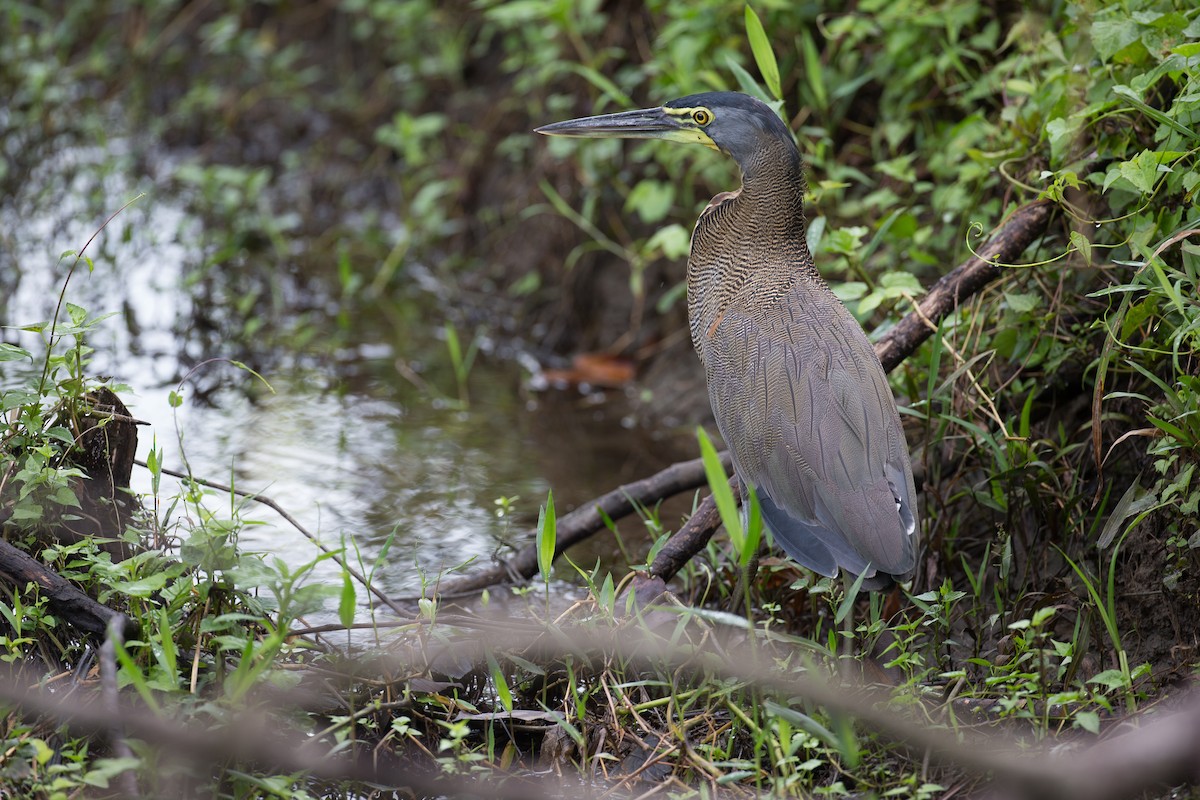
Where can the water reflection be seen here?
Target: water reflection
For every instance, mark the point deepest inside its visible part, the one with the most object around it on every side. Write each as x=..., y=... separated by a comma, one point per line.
x=345, y=441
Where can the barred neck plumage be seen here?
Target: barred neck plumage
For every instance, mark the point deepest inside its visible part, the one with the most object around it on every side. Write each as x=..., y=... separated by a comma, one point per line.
x=773, y=190
x=749, y=246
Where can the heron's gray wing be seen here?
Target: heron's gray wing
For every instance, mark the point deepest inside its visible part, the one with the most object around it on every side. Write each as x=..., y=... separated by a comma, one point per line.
x=806, y=410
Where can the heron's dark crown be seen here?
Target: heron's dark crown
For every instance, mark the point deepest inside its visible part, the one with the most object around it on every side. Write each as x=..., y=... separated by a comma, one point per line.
x=743, y=127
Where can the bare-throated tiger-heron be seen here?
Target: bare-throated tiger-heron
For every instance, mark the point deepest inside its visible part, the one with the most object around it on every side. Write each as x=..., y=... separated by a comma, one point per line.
x=796, y=388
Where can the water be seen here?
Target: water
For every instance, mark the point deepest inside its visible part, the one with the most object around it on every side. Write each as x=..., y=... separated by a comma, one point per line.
x=346, y=441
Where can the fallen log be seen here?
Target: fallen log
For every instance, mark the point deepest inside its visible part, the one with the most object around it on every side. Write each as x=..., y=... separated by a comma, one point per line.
x=68, y=602
x=106, y=441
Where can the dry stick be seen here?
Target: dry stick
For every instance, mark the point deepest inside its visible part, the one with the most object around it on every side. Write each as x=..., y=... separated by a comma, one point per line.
x=1163, y=752
x=586, y=520
x=271, y=504
x=1025, y=225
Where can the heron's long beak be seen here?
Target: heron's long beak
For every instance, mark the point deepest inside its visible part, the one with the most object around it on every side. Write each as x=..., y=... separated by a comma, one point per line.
x=646, y=123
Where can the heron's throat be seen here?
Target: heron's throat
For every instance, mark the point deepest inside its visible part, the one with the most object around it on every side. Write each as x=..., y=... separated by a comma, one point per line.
x=773, y=184
x=749, y=248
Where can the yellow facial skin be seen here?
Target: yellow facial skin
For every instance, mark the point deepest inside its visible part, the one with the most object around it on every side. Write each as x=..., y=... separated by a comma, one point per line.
x=688, y=118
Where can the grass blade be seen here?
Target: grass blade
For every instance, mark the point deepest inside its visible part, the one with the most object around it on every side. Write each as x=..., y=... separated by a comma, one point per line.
x=760, y=46
x=547, y=537
x=718, y=483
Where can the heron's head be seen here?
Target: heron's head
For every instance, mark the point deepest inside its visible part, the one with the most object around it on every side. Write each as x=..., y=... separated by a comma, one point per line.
x=732, y=122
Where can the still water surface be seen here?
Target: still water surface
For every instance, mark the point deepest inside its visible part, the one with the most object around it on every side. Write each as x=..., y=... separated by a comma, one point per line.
x=344, y=441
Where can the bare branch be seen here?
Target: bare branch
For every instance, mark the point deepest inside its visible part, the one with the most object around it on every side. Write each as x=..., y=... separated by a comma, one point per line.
x=586, y=520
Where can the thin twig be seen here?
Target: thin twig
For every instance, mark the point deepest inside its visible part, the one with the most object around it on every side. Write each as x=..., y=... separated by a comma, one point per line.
x=278, y=509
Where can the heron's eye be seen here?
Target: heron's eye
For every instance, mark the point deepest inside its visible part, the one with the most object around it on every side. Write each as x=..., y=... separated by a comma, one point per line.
x=702, y=116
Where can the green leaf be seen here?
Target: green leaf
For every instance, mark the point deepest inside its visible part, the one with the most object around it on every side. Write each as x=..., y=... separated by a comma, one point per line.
x=42, y=751
x=608, y=594
x=65, y=496
x=847, y=604
x=754, y=527
x=502, y=690
x=1111, y=36
x=669, y=298
x=849, y=291
x=602, y=82
x=1019, y=86
x=1022, y=302
x=1135, y=99
x=1061, y=133
x=1134, y=501
x=1083, y=244
x=453, y=345
x=348, y=603
x=131, y=674
x=815, y=233
x=760, y=46
x=1041, y=615
x=143, y=587
x=547, y=537
x=844, y=241
x=78, y=314
x=104, y=769
x=651, y=199
x=61, y=434
x=803, y=722
x=23, y=513
x=718, y=483
x=746, y=81
x=1089, y=721
x=1109, y=679
x=164, y=644
x=673, y=240
x=10, y=352
x=901, y=283
x=813, y=69
x=1143, y=169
